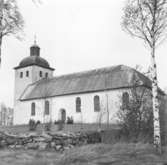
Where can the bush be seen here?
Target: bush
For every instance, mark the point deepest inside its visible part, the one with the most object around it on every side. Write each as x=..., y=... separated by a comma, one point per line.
x=136, y=114
x=70, y=120
x=48, y=126
x=60, y=125
x=93, y=137
x=111, y=136
x=38, y=122
x=56, y=122
x=32, y=125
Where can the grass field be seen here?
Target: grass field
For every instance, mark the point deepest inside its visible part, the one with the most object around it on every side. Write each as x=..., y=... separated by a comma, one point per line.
x=67, y=128
x=101, y=154
x=97, y=154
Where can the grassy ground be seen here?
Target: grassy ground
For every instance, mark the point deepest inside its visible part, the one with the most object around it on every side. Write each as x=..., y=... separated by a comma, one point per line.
x=98, y=154
x=67, y=128
x=101, y=154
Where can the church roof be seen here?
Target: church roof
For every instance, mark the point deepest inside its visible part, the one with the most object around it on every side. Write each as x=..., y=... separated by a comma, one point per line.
x=33, y=60
x=109, y=78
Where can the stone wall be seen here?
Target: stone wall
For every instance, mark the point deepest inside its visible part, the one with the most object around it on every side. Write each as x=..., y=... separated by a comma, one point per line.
x=48, y=141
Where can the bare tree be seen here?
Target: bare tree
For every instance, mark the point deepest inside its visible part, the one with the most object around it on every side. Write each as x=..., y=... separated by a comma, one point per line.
x=11, y=21
x=147, y=20
x=147, y=72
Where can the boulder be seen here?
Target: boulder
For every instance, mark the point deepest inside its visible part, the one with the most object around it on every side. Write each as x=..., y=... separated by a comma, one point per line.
x=18, y=146
x=10, y=140
x=32, y=145
x=42, y=146
x=59, y=148
x=3, y=144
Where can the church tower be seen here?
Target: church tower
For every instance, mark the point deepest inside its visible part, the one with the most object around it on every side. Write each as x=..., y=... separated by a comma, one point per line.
x=30, y=69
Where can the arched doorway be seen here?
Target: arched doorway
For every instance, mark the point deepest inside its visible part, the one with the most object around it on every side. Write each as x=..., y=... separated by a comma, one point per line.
x=63, y=115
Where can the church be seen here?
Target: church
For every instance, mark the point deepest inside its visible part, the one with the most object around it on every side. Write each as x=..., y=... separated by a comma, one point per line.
x=88, y=97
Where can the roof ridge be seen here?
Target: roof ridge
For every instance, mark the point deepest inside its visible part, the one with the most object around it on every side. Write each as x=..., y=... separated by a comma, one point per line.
x=80, y=73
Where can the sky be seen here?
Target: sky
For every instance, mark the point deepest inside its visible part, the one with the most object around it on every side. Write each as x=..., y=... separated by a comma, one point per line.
x=76, y=35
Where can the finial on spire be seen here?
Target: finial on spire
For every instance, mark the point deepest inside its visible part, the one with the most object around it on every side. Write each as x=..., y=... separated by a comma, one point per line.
x=35, y=49
x=35, y=39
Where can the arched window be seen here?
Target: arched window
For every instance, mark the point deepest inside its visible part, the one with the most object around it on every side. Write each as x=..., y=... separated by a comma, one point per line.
x=46, y=75
x=125, y=100
x=33, y=109
x=78, y=104
x=40, y=73
x=46, y=107
x=21, y=74
x=96, y=103
x=27, y=73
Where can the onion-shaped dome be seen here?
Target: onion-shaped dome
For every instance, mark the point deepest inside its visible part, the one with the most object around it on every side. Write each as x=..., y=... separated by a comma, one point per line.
x=34, y=60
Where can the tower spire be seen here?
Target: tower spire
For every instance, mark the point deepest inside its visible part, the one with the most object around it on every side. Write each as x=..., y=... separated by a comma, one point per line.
x=35, y=49
x=35, y=39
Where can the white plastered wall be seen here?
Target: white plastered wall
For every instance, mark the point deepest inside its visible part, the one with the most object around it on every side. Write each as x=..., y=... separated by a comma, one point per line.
x=22, y=109
x=67, y=102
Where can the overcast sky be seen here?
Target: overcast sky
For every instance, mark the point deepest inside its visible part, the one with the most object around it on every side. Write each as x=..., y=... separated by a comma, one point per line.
x=76, y=35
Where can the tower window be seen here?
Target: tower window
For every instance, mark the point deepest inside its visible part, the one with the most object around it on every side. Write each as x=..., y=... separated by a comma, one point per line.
x=33, y=109
x=78, y=104
x=96, y=103
x=27, y=73
x=46, y=75
x=40, y=74
x=21, y=74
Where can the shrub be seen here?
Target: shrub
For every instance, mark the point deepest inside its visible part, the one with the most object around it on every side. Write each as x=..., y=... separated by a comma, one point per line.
x=135, y=115
x=70, y=120
x=93, y=137
x=60, y=125
x=56, y=122
x=48, y=126
x=32, y=125
x=111, y=136
x=38, y=122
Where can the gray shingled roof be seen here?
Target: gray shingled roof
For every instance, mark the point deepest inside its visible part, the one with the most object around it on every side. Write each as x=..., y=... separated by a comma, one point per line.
x=34, y=60
x=89, y=81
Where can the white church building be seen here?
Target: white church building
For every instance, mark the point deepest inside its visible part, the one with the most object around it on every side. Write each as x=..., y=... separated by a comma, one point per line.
x=88, y=97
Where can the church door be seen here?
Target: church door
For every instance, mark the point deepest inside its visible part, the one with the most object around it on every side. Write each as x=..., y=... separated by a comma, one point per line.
x=63, y=115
